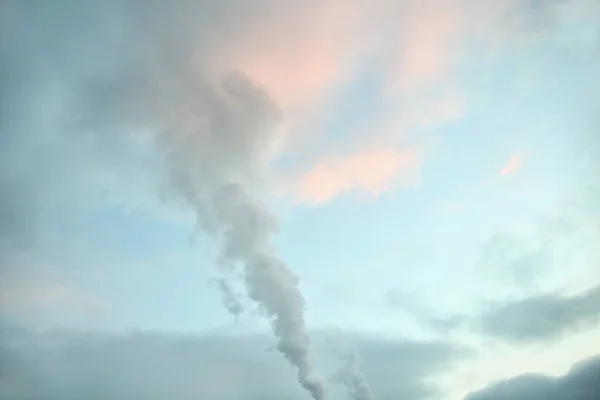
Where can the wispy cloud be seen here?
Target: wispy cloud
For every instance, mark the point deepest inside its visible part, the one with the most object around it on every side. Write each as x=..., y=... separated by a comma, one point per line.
x=429, y=43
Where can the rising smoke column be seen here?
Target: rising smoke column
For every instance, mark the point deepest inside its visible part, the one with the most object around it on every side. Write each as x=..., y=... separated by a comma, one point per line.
x=350, y=376
x=231, y=299
x=233, y=139
x=268, y=280
x=215, y=147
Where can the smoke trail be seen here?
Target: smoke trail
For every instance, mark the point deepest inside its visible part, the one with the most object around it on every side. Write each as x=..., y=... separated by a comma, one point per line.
x=225, y=149
x=269, y=281
x=231, y=299
x=214, y=141
x=350, y=376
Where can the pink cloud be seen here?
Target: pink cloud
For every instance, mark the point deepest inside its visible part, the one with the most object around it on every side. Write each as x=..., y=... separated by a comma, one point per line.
x=373, y=171
x=514, y=164
x=427, y=50
x=435, y=35
x=297, y=53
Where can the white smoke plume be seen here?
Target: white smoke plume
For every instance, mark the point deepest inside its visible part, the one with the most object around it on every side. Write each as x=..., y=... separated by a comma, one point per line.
x=211, y=166
x=350, y=375
x=214, y=141
x=231, y=299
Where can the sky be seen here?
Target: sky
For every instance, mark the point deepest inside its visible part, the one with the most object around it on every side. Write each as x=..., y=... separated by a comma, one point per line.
x=277, y=199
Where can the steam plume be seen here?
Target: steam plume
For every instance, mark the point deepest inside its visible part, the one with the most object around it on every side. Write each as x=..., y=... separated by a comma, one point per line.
x=226, y=150
x=231, y=299
x=350, y=376
x=215, y=143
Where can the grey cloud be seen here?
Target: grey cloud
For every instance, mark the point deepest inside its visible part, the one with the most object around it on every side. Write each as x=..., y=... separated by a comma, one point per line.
x=542, y=317
x=581, y=383
x=71, y=365
x=563, y=239
x=392, y=369
x=43, y=54
x=531, y=319
x=350, y=375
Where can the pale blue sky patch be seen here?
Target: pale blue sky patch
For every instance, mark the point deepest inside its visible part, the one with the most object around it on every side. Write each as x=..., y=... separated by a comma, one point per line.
x=356, y=106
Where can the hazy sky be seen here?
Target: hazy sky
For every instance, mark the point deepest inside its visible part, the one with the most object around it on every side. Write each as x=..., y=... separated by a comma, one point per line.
x=426, y=169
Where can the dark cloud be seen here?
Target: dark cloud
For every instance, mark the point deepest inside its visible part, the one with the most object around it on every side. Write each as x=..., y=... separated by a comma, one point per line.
x=69, y=365
x=581, y=383
x=397, y=369
x=532, y=319
x=542, y=317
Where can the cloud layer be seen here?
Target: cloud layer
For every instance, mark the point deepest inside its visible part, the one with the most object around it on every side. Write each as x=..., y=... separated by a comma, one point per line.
x=581, y=383
x=72, y=365
x=543, y=317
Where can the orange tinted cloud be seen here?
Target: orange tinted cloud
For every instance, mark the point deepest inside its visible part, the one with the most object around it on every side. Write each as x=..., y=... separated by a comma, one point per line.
x=373, y=171
x=515, y=162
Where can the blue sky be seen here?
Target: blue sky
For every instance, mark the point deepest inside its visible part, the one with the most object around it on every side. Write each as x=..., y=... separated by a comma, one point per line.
x=427, y=164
